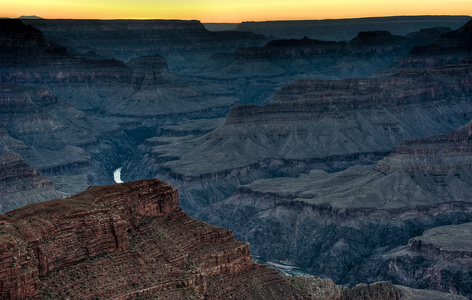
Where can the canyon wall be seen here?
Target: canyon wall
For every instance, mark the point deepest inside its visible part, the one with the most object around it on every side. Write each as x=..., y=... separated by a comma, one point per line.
x=132, y=240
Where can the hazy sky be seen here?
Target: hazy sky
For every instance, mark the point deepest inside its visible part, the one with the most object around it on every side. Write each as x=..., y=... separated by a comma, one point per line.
x=230, y=10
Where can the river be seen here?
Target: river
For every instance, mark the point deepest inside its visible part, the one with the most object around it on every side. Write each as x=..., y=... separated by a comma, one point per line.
x=117, y=175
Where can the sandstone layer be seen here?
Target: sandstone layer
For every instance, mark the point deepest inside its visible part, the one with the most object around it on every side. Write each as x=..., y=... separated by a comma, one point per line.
x=125, y=241
x=318, y=119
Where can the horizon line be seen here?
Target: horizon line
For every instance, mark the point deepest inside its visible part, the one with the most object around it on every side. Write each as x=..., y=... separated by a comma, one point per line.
x=35, y=17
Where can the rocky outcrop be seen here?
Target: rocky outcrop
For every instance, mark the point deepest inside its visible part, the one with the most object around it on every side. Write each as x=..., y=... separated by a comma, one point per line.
x=125, y=241
x=325, y=289
x=132, y=240
x=444, y=256
x=142, y=88
x=27, y=57
x=75, y=148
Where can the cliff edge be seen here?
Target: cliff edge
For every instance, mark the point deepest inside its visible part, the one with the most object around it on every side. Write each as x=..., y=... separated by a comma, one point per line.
x=123, y=241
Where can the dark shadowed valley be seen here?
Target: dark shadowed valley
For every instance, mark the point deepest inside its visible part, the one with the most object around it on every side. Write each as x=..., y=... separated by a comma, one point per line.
x=339, y=147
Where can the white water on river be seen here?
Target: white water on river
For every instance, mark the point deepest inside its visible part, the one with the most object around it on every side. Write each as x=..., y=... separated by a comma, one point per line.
x=117, y=175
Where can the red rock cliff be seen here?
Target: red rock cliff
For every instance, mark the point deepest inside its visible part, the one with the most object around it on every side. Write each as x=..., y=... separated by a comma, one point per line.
x=125, y=241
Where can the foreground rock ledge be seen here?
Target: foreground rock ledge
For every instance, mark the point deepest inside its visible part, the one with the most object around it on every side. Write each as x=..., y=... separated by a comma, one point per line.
x=132, y=240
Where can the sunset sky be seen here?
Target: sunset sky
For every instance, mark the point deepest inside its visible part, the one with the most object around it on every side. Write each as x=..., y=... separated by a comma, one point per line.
x=229, y=10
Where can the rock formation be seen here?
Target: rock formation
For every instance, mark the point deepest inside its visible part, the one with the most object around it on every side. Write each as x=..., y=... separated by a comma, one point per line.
x=367, y=52
x=20, y=184
x=444, y=256
x=343, y=225
x=132, y=240
x=75, y=148
x=346, y=29
x=327, y=124
x=450, y=48
x=182, y=43
x=123, y=241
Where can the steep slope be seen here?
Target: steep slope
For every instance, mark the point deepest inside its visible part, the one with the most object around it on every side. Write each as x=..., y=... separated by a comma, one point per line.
x=312, y=123
x=342, y=225
x=131, y=241
x=121, y=105
x=20, y=184
x=317, y=119
x=440, y=259
x=107, y=86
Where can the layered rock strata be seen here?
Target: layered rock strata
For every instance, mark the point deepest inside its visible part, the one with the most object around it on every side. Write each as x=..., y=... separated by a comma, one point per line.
x=346, y=225
x=20, y=184
x=121, y=105
x=445, y=256
x=125, y=241
x=307, y=58
x=131, y=241
x=325, y=289
x=319, y=119
x=143, y=87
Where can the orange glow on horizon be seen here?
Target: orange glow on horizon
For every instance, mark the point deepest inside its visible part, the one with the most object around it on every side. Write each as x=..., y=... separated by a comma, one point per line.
x=229, y=11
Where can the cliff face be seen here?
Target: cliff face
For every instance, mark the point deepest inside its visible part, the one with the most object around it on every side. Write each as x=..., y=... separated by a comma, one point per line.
x=125, y=241
x=444, y=254
x=317, y=121
x=75, y=148
x=21, y=184
x=354, y=225
x=131, y=241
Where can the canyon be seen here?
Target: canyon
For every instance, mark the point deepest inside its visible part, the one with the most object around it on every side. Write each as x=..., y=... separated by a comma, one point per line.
x=132, y=240
x=346, y=29
x=346, y=156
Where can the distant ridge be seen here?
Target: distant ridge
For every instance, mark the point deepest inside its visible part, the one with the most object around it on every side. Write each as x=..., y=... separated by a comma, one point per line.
x=346, y=29
x=31, y=17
